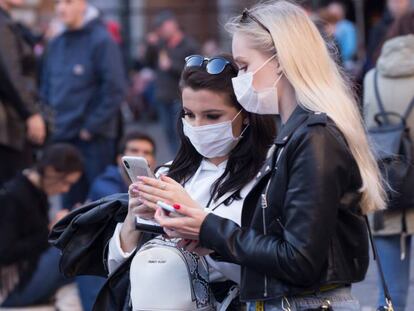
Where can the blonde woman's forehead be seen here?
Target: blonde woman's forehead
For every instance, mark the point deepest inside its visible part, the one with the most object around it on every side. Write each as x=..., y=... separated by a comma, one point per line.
x=242, y=50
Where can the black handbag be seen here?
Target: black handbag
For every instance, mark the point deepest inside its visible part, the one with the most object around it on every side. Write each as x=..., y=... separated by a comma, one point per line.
x=393, y=149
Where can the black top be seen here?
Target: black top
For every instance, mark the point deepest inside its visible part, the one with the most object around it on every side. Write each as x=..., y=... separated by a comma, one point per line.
x=23, y=225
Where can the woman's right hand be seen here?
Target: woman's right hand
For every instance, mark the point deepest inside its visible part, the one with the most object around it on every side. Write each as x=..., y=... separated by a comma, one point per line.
x=129, y=235
x=136, y=208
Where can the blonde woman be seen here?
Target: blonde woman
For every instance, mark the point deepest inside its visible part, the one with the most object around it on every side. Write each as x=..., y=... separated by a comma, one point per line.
x=302, y=241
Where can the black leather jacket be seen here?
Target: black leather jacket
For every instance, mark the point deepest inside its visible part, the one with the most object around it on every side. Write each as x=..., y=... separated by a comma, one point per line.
x=309, y=231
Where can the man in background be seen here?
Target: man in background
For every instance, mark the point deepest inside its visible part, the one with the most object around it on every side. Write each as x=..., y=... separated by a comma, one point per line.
x=167, y=48
x=83, y=81
x=20, y=119
x=345, y=32
x=115, y=179
x=394, y=10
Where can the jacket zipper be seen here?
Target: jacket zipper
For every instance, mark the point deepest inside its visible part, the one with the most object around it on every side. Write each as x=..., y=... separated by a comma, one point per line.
x=264, y=206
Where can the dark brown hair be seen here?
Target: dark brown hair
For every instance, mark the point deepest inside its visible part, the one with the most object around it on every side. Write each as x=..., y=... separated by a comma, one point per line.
x=64, y=158
x=135, y=135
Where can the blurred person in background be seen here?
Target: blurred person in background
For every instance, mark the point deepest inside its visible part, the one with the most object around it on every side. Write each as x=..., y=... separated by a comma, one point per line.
x=394, y=10
x=393, y=228
x=167, y=48
x=29, y=268
x=115, y=179
x=83, y=81
x=210, y=48
x=345, y=32
x=326, y=22
x=20, y=118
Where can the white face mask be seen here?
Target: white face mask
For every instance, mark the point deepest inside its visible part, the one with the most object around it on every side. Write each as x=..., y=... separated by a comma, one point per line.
x=213, y=140
x=263, y=102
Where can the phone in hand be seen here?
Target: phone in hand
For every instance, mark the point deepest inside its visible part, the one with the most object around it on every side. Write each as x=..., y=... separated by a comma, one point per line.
x=148, y=225
x=136, y=166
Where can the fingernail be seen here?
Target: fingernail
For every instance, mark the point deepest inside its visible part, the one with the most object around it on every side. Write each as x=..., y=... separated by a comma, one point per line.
x=177, y=206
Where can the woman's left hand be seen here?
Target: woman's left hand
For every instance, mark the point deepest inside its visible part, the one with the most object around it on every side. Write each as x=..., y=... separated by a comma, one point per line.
x=164, y=189
x=186, y=226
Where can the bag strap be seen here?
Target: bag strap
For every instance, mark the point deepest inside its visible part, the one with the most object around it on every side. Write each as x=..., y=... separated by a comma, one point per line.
x=381, y=104
x=379, y=265
x=409, y=109
x=378, y=97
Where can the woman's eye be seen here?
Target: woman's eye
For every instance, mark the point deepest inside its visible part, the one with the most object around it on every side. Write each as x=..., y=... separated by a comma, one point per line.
x=188, y=115
x=213, y=116
x=244, y=68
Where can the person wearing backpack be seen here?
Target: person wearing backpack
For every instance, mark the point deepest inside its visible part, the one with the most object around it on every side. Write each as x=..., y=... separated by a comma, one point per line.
x=215, y=165
x=394, y=77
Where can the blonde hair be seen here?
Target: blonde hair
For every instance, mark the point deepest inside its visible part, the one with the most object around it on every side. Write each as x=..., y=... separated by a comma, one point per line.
x=316, y=79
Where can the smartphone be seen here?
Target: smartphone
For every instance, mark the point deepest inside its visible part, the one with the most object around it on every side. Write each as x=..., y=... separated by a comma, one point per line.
x=136, y=166
x=150, y=226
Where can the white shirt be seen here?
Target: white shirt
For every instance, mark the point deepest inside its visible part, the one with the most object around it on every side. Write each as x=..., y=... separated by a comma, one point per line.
x=198, y=187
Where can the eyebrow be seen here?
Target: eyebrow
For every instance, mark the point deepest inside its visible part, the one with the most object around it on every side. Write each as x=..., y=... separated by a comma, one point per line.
x=206, y=111
x=212, y=110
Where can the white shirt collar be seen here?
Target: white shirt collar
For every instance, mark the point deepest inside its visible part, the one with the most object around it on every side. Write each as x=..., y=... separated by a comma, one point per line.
x=206, y=165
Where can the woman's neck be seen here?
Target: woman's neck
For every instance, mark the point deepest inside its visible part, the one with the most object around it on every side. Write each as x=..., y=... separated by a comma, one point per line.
x=218, y=160
x=287, y=100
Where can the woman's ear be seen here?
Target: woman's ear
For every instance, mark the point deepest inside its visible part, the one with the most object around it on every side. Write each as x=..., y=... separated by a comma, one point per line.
x=279, y=68
x=245, y=116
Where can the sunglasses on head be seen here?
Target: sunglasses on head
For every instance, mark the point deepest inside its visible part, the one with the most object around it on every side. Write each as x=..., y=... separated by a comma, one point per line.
x=213, y=65
x=246, y=14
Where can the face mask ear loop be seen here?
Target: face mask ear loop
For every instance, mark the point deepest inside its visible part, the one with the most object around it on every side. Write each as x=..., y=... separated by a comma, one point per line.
x=235, y=117
x=264, y=64
x=278, y=79
x=244, y=130
x=241, y=134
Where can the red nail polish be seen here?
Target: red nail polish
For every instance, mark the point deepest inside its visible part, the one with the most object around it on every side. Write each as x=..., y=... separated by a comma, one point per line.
x=177, y=206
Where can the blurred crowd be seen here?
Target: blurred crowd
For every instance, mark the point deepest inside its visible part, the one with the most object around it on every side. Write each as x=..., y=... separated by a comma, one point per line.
x=67, y=103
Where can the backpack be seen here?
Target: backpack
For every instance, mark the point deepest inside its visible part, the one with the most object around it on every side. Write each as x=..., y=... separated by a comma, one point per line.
x=393, y=149
x=165, y=277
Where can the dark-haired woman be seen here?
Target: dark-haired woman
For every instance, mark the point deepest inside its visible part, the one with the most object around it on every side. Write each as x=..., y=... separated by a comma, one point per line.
x=29, y=269
x=215, y=164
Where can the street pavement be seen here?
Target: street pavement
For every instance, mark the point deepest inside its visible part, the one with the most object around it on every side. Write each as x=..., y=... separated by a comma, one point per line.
x=366, y=291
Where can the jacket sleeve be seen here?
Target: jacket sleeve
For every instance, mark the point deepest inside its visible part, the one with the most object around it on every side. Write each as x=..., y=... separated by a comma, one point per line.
x=316, y=172
x=12, y=80
x=110, y=72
